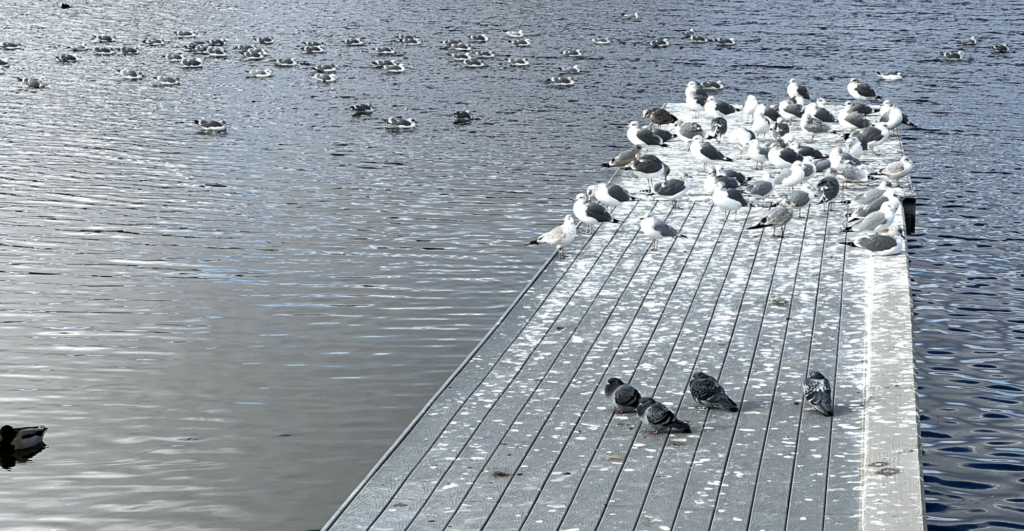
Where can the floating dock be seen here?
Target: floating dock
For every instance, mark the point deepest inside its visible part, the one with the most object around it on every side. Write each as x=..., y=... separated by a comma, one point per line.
x=522, y=437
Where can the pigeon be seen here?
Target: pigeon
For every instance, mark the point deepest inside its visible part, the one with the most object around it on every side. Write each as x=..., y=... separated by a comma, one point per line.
x=623, y=396
x=659, y=417
x=15, y=439
x=705, y=391
x=656, y=229
x=818, y=392
x=559, y=237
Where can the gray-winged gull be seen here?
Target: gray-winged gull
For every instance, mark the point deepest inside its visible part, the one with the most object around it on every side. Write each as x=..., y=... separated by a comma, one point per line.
x=777, y=217
x=655, y=228
x=591, y=214
x=559, y=237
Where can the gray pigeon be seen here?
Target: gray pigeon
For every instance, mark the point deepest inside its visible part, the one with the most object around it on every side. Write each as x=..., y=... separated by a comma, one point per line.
x=624, y=396
x=818, y=392
x=659, y=417
x=705, y=391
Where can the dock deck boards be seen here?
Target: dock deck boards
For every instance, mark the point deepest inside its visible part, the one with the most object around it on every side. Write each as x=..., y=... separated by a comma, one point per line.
x=521, y=437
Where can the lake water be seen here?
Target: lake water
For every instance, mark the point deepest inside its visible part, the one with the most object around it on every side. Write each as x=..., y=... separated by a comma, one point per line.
x=227, y=331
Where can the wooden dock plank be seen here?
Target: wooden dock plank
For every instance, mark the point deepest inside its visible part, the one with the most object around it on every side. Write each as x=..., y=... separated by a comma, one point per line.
x=581, y=453
x=806, y=510
x=470, y=396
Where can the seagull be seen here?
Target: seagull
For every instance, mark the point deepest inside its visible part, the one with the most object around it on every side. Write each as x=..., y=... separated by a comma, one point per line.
x=968, y=42
x=642, y=137
x=704, y=151
x=354, y=41
x=572, y=53
x=712, y=86
x=760, y=188
x=888, y=244
x=397, y=68
x=706, y=391
x=286, y=62
x=759, y=123
x=648, y=167
x=129, y=50
x=514, y=33
x=777, y=217
x=361, y=109
x=716, y=108
x=191, y=62
x=861, y=91
x=670, y=189
x=67, y=58
x=817, y=109
x=631, y=17
x=260, y=73
x=253, y=54
x=601, y=40
x=609, y=195
x=212, y=126
x=518, y=61
x=790, y=109
x=828, y=190
x=559, y=237
x=797, y=91
x=623, y=396
x=18, y=439
x=103, y=38
x=872, y=195
x=167, y=81
x=326, y=69
x=850, y=119
x=384, y=50
x=481, y=38
x=871, y=136
x=32, y=82
x=742, y=137
x=1001, y=48
x=216, y=52
x=325, y=77
x=783, y=156
x=398, y=122
x=818, y=392
x=658, y=417
x=103, y=50
x=728, y=199
x=798, y=199
x=562, y=81
x=382, y=63
x=953, y=56
x=660, y=116
x=473, y=63
x=876, y=205
x=656, y=229
x=896, y=170
x=689, y=130
x=185, y=34
x=574, y=69
x=624, y=158
x=876, y=221
x=130, y=75
x=712, y=179
x=411, y=40
x=521, y=42
x=813, y=125
x=659, y=43
x=462, y=117
x=718, y=127
x=892, y=76
x=591, y=214
x=661, y=133
x=749, y=106
x=725, y=41
x=264, y=40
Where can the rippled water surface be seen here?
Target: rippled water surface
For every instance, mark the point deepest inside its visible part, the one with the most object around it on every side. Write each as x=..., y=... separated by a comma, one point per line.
x=227, y=331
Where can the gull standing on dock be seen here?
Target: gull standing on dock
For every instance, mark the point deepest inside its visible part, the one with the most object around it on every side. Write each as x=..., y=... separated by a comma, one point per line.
x=797, y=91
x=882, y=244
x=705, y=152
x=896, y=170
x=670, y=189
x=609, y=195
x=642, y=137
x=861, y=91
x=624, y=158
x=656, y=229
x=760, y=188
x=728, y=199
x=876, y=221
x=828, y=190
x=648, y=167
x=818, y=393
x=707, y=392
x=559, y=237
x=658, y=417
x=777, y=217
x=748, y=107
x=623, y=396
x=591, y=214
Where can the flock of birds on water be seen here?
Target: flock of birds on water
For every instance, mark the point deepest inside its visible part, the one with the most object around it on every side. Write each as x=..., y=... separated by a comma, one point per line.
x=863, y=127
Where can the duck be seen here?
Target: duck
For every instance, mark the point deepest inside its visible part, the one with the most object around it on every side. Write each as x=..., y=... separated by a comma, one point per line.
x=167, y=81
x=15, y=439
x=361, y=109
x=260, y=73
x=32, y=82
x=398, y=122
x=212, y=126
x=67, y=58
x=396, y=68
x=520, y=61
x=263, y=40
x=191, y=62
x=286, y=62
x=462, y=117
x=894, y=76
x=325, y=77
x=130, y=75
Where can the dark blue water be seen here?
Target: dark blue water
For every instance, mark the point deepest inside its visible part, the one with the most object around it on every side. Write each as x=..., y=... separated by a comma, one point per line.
x=227, y=331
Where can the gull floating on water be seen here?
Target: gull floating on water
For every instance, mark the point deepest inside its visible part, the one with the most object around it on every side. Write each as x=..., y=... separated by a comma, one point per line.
x=361, y=109
x=32, y=82
x=562, y=81
x=893, y=76
x=167, y=81
x=130, y=75
x=398, y=122
x=260, y=73
x=953, y=56
x=462, y=117
x=1001, y=48
x=522, y=61
x=971, y=41
x=212, y=126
